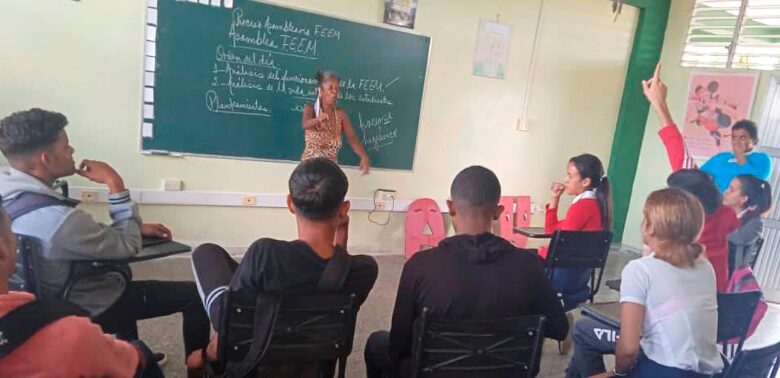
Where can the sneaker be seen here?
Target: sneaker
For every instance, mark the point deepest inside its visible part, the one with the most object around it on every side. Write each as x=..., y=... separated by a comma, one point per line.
x=160, y=358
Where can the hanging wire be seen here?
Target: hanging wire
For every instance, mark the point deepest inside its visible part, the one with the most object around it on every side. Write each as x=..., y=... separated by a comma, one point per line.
x=376, y=209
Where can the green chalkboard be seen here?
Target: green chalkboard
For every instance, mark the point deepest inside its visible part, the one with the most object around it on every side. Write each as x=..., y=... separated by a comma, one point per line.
x=232, y=80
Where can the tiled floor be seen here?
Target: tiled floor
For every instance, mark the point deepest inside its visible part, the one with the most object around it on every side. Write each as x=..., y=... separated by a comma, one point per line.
x=164, y=334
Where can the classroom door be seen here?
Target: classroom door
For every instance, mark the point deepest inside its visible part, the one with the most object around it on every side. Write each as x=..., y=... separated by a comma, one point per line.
x=768, y=265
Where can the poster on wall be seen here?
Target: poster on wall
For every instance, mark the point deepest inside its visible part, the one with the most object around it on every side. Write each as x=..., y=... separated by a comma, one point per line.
x=492, y=52
x=400, y=12
x=715, y=101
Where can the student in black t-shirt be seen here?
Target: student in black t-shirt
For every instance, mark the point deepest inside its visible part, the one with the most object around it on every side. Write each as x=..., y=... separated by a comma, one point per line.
x=317, y=191
x=473, y=275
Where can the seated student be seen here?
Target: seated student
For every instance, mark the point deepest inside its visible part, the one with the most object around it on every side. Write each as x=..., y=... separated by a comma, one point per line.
x=473, y=275
x=668, y=303
x=750, y=198
x=317, y=191
x=591, y=210
x=70, y=346
x=719, y=222
x=723, y=166
x=36, y=146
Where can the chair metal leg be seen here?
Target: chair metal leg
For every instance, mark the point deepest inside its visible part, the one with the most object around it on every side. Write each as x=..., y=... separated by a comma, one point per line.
x=342, y=367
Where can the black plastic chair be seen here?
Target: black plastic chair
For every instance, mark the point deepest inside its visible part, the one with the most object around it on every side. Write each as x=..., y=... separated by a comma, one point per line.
x=614, y=284
x=30, y=264
x=755, y=363
x=735, y=312
x=26, y=276
x=310, y=333
x=759, y=244
x=580, y=250
x=508, y=347
x=753, y=249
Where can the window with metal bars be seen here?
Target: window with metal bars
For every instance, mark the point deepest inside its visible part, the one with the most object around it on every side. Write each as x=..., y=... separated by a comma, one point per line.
x=741, y=34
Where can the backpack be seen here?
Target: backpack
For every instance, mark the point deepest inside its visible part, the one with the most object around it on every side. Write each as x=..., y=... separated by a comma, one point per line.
x=743, y=280
x=21, y=323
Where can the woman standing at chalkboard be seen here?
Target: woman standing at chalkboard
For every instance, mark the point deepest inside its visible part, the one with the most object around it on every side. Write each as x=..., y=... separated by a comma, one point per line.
x=323, y=123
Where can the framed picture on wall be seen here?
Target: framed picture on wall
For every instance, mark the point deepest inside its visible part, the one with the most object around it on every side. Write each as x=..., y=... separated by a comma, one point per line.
x=714, y=102
x=491, y=54
x=400, y=12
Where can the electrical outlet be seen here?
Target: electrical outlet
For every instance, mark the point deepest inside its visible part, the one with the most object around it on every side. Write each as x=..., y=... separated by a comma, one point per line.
x=89, y=196
x=384, y=199
x=172, y=185
x=249, y=201
x=522, y=124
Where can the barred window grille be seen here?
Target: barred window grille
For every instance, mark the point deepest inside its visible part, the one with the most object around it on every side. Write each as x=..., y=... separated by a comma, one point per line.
x=740, y=34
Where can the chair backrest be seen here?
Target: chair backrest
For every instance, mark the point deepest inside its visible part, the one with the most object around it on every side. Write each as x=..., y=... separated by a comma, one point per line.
x=735, y=312
x=31, y=266
x=757, y=248
x=27, y=267
x=755, y=363
x=423, y=212
x=580, y=250
x=508, y=347
x=306, y=329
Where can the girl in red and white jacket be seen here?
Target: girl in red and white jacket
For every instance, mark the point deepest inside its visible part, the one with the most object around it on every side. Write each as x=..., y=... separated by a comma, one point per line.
x=591, y=209
x=720, y=220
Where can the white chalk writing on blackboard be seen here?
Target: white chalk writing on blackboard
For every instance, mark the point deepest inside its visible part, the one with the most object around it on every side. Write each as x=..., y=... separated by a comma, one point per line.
x=283, y=37
x=215, y=105
x=377, y=131
x=249, y=58
x=253, y=62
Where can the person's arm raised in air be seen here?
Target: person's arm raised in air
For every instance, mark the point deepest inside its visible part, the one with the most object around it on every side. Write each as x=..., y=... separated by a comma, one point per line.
x=310, y=120
x=655, y=91
x=355, y=143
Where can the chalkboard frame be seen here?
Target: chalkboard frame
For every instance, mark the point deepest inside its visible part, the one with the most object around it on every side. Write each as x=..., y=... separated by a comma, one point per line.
x=155, y=152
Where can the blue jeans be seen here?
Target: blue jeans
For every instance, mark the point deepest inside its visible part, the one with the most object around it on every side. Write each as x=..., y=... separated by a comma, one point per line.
x=592, y=340
x=572, y=285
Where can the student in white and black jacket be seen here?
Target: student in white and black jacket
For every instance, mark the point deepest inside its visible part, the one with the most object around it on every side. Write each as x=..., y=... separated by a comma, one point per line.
x=751, y=198
x=39, y=152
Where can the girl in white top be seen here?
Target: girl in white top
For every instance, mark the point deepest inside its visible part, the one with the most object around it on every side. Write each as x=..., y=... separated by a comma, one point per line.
x=668, y=302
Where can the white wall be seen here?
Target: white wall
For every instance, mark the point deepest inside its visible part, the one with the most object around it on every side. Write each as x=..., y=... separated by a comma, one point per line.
x=85, y=59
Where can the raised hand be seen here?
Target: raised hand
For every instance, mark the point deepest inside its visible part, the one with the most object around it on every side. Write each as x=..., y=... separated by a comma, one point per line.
x=654, y=88
x=655, y=91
